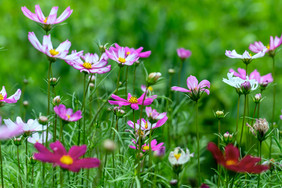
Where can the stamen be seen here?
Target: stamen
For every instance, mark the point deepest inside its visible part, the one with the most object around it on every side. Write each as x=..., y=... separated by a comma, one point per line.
x=53, y=52
x=127, y=53
x=146, y=125
x=87, y=65
x=177, y=156
x=45, y=21
x=66, y=159
x=121, y=59
x=150, y=88
x=133, y=100
x=1, y=97
x=230, y=162
x=146, y=148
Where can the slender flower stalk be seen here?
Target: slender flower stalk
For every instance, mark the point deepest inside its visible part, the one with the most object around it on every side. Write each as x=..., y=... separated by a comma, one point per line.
x=84, y=110
x=238, y=109
x=260, y=142
x=273, y=104
x=198, y=142
x=243, y=122
x=19, y=167
x=1, y=163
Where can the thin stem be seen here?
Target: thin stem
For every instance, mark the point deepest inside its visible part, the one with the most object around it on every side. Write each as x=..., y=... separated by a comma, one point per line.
x=150, y=149
x=169, y=110
x=134, y=78
x=237, y=119
x=26, y=163
x=61, y=132
x=113, y=154
x=84, y=110
x=32, y=173
x=273, y=106
x=1, y=162
x=218, y=140
x=19, y=167
x=61, y=178
x=259, y=162
x=198, y=143
x=126, y=79
x=232, y=182
x=243, y=123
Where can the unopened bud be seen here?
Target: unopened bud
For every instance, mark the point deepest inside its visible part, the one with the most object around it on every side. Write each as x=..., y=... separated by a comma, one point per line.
x=92, y=78
x=109, y=145
x=173, y=183
x=219, y=114
x=25, y=103
x=246, y=87
x=32, y=160
x=25, y=81
x=18, y=141
x=227, y=138
x=171, y=71
x=43, y=120
x=153, y=78
x=119, y=112
x=91, y=85
x=57, y=100
x=53, y=81
x=257, y=98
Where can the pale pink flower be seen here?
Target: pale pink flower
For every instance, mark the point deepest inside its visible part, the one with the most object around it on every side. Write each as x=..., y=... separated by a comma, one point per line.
x=146, y=147
x=122, y=56
x=30, y=126
x=146, y=125
x=246, y=57
x=7, y=132
x=183, y=53
x=273, y=44
x=12, y=99
x=67, y=114
x=138, y=51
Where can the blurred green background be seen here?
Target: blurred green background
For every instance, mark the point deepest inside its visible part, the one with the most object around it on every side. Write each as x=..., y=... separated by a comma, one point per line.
x=206, y=27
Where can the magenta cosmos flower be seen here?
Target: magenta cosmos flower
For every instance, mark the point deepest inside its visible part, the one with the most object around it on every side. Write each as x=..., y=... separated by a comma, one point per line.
x=194, y=90
x=7, y=132
x=39, y=17
x=132, y=101
x=246, y=57
x=273, y=44
x=138, y=51
x=146, y=147
x=12, y=99
x=91, y=63
x=122, y=55
x=67, y=160
x=46, y=47
x=67, y=114
x=183, y=53
x=146, y=125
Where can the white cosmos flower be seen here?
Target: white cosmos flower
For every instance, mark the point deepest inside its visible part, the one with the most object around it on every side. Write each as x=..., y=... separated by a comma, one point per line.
x=237, y=82
x=179, y=157
x=39, y=138
x=30, y=126
x=245, y=56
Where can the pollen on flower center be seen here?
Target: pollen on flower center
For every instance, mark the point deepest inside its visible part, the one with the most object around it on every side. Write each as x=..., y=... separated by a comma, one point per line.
x=1, y=97
x=127, y=53
x=68, y=116
x=230, y=162
x=150, y=88
x=66, y=159
x=146, y=125
x=45, y=21
x=53, y=52
x=87, y=65
x=146, y=148
x=177, y=156
x=121, y=59
x=133, y=100
x=268, y=46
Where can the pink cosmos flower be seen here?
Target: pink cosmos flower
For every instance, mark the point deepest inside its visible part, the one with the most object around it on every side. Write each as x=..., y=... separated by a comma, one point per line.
x=281, y=115
x=183, y=53
x=40, y=138
x=67, y=114
x=12, y=99
x=273, y=44
x=46, y=47
x=91, y=63
x=194, y=90
x=7, y=132
x=138, y=51
x=132, y=101
x=246, y=56
x=146, y=125
x=122, y=55
x=28, y=127
x=146, y=147
x=39, y=17
x=67, y=160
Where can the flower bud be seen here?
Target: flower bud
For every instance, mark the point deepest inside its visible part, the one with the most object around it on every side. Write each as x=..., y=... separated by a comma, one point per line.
x=257, y=98
x=91, y=85
x=118, y=112
x=153, y=78
x=261, y=126
x=25, y=81
x=53, y=81
x=32, y=160
x=18, y=141
x=219, y=114
x=43, y=120
x=159, y=153
x=25, y=104
x=109, y=145
x=227, y=138
x=171, y=71
x=57, y=100
x=173, y=183
x=92, y=78
x=102, y=48
x=246, y=87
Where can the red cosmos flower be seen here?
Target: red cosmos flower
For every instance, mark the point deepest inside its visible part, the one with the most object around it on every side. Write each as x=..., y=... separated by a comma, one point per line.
x=67, y=160
x=231, y=160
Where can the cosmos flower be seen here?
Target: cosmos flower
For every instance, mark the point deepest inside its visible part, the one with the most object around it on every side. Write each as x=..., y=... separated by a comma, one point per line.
x=179, y=156
x=122, y=56
x=230, y=160
x=67, y=160
x=12, y=99
x=39, y=138
x=39, y=17
x=146, y=147
x=146, y=125
x=28, y=127
x=149, y=89
x=183, y=53
x=132, y=101
x=67, y=114
x=246, y=57
x=194, y=90
x=61, y=52
x=7, y=132
x=91, y=63
x=274, y=43
x=138, y=51
x=259, y=129
x=153, y=115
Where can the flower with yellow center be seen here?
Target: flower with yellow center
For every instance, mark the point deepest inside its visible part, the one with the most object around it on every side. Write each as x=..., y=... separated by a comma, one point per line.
x=133, y=100
x=1, y=97
x=127, y=53
x=230, y=162
x=53, y=52
x=177, y=156
x=121, y=60
x=66, y=159
x=45, y=21
x=146, y=148
x=150, y=88
x=68, y=116
x=146, y=125
x=87, y=65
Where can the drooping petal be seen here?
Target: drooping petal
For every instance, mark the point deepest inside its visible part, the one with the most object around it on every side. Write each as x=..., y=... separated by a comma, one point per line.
x=176, y=88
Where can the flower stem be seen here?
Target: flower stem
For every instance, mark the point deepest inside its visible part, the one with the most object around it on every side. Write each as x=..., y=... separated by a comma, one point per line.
x=218, y=140
x=61, y=132
x=1, y=162
x=126, y=80
x=237, y=119
x=150, y=149
x=113, y=154
x=259, y=162
x=26, y=163
x=198, y=143
x=84, y=110
x=273, y=106
x=134, y=78
x=243, y=123
x=61, y=178
x=19, y=167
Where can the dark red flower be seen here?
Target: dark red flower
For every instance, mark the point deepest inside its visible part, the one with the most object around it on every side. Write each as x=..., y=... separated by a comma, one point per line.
x=68, y=160
x=230, y=160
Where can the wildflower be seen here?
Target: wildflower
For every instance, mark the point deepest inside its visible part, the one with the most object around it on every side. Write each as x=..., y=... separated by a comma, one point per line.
x=230, y=160
x=219, y=114
x=159, y=153
x=259, y=129
x=138, y=51
x=179, y=157
x=194, y=90
x=146, y=147
x=183, y=53
x=118, y=111
x=67, y=160
x=246, y=57
x=39, y=138
x=132, y=101
x=47, y=48
x=67, y=114
x=153, y=78
x=270, y=49
x=52, y=19
x=91, y=63
x=121, y=56
x=12, y=99
x=26, y=128
x=257, y=98
x=227, y=137
x=145, y=125
x=154, y=116
x=150, y=89
x=57, y=100
x=7, y=132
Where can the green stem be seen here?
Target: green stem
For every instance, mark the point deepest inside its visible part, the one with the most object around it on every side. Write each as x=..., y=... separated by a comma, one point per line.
x=259, y=162
x=126, y=80
x=198, y=144
x=1, y=162
x=232, y=183
x=243, y=123
x=61, y=178
x=134, y=78
x=237, y=119
x=84, y=110
x=169, y=110
x=19, y=167
x=113, y=154
x=150, y=149
x=218, y=140
x=61, y=132
x=32, y=173
x=26, y=163
x=273, y=106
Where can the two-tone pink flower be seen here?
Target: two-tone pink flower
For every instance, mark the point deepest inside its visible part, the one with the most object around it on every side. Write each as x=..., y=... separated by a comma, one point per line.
x=51, y=19
x=132, y=101
x=146, y=125
x=195, y=89
x=183, y=53
x=274, y=43
x=7, y=132
x=12, y=99
x=146, y=147
x=122, y=55
x=70, y=160
x=129, y=51
x=246, y=57
x=67, y=114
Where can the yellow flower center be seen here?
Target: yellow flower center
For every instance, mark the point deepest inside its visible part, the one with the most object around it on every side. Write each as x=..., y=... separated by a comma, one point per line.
x=133, y=100
x=87, y=65
x=1, y=97
x=146, y=125
x=121, y=59
x=45, y=21
x=230, y=162
x=141, y=132
x=36, y=141
x=177, y=156
x=268, y=46
x=53, y=52
x=127, y=53
x=250, y=54
x=150, y=88
x=68, y=116
x=66, y=159
x=146, y=148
